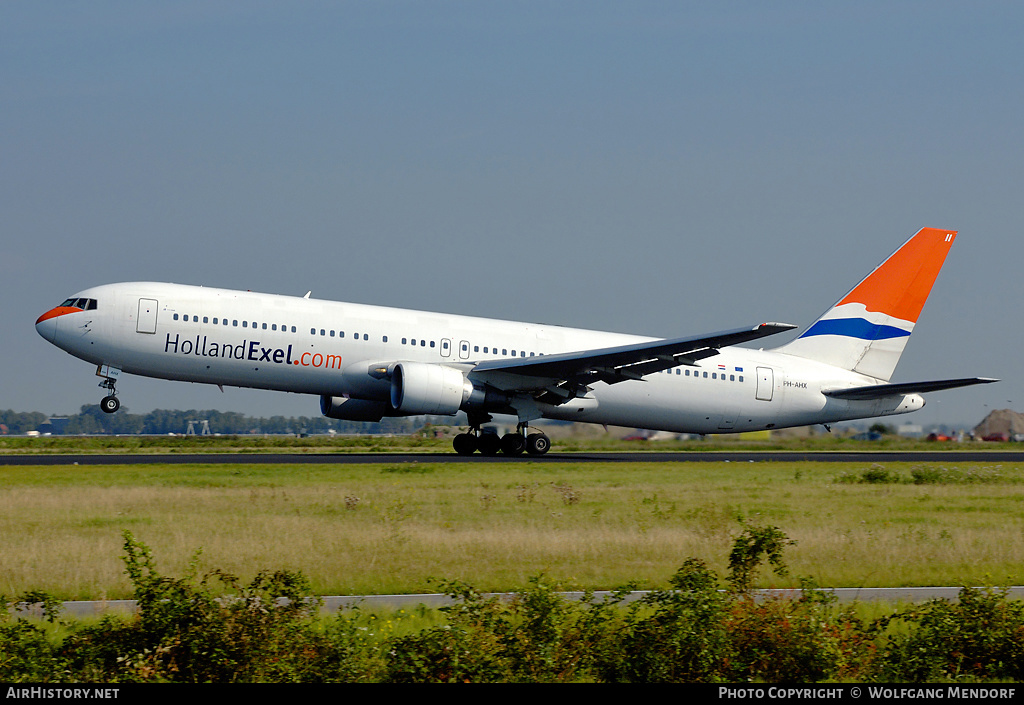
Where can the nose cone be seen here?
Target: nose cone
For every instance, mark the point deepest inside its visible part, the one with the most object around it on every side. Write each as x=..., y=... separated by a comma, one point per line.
x=46, y=325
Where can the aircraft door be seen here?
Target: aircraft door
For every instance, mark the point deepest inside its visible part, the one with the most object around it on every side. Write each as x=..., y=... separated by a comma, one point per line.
x=446, y=347
x=765, y=383
x=146, y=321
x=464, y=350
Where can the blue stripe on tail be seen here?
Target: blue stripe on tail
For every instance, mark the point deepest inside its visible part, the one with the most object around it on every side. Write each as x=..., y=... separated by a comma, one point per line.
x=854, y=328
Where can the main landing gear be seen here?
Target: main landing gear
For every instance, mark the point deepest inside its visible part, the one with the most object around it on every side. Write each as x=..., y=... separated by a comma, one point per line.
x=110, y=403
x=488, y=443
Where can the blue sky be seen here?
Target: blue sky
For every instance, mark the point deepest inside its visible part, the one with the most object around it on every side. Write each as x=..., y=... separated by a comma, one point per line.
x=663, y=168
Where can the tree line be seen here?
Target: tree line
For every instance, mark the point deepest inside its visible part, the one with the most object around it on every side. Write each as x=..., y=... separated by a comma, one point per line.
x=91, y=420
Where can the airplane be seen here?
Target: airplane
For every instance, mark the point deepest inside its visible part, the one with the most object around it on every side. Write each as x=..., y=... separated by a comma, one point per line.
x=367, y=362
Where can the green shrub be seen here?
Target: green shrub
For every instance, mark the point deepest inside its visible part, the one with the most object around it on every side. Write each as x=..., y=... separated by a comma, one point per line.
x=979, y=636
x=466, y=649
x=26, y=652
x=928, y=475
x=699, y=629
x=780, y=640
x=752, y=546
x=877, y=475
x=211, y=630
x=535, y=636
x=676, y=635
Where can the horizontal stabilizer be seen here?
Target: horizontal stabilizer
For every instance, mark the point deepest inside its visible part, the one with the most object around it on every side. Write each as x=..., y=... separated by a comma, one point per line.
x=878, y=391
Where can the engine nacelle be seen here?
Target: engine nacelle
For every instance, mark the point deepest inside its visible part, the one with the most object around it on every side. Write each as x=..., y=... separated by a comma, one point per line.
x=353, y=409
x=419, y=388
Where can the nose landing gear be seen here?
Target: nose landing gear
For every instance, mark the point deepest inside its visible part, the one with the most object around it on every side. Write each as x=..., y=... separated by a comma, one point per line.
x=110, y=403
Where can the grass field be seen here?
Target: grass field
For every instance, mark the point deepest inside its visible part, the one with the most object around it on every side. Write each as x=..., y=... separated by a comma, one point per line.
x=438, y=440
x=387, y=528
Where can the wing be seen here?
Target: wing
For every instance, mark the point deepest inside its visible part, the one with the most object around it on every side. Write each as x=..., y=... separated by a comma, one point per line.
x=877, y=391
x=566, y=375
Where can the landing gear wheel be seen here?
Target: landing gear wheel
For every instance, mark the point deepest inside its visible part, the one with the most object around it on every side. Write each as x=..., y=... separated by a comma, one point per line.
x=537, y=444
x=513, y=444
x=110, y=404
x=488, y=443
x=464, y=444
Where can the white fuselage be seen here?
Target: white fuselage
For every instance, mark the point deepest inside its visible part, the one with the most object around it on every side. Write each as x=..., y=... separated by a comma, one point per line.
x=310, y=346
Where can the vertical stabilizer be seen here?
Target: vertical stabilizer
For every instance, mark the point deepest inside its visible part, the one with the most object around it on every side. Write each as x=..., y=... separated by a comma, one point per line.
x=868, y=329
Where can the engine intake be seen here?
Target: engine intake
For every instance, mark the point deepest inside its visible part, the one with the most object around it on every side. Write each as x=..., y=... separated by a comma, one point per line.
x=419, y=388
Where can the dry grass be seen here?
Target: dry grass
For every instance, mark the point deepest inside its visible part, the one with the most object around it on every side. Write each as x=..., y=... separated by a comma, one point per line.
x=392, y=528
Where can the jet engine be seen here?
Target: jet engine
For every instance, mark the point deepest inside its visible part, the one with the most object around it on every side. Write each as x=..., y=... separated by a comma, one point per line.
x=420, y=388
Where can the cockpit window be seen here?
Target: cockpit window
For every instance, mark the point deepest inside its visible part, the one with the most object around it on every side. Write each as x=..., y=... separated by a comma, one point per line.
x=83, y=303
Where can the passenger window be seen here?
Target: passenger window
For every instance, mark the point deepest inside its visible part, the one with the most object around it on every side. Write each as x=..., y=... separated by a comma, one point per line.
x=175, y=316
x=206, y=319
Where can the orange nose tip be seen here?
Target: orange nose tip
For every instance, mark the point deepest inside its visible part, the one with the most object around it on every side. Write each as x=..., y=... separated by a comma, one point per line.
x=54, y=312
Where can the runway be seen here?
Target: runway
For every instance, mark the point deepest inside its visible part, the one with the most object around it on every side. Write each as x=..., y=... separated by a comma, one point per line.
x=867, y=456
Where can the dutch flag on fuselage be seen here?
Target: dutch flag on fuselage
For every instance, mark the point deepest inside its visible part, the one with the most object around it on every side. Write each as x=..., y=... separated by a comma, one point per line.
x=867, y=330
